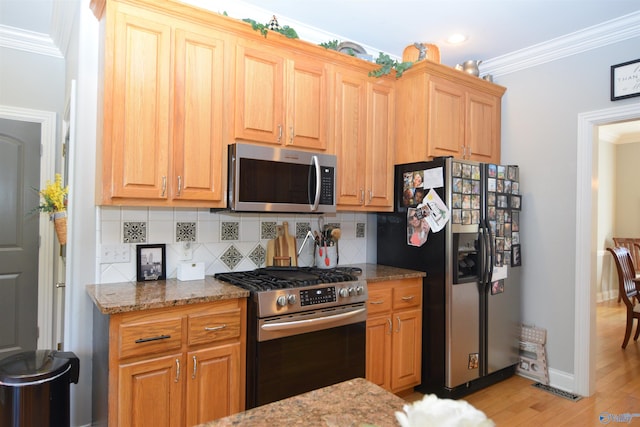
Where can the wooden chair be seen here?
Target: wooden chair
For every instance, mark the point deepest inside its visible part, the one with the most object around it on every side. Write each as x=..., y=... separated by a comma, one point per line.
x=633, y=246
x=628, y=289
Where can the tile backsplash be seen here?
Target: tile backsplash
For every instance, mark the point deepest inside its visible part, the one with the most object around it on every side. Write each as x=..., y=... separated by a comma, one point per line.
x=224, y=241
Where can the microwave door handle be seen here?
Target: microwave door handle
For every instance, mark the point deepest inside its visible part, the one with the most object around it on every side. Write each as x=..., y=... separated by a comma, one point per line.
x=316, y=202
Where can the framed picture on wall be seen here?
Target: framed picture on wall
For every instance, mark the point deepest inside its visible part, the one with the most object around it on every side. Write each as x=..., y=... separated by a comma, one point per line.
x=151, y=262
x=625, y=80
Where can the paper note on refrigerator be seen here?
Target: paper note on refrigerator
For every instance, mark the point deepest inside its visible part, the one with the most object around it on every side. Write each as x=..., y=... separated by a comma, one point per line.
x=438, y=212
x=433, y=178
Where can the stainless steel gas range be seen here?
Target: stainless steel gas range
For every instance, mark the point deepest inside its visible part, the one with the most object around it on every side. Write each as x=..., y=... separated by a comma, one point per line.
x=306, y=329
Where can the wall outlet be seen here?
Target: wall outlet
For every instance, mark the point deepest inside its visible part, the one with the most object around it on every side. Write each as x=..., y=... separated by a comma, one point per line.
x=185, y=252
x=114, y=253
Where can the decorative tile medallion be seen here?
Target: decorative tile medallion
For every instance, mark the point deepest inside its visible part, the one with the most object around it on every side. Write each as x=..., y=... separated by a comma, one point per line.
x=134, y=232
x=301, y=229
x=267, y=230
x=231, y=257
x=360, y=227
x=258, y=256
x=229, y=231
x=185, y=232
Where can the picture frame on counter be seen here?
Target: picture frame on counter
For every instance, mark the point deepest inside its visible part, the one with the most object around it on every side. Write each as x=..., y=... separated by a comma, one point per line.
x=151, y=262
x=625, y=80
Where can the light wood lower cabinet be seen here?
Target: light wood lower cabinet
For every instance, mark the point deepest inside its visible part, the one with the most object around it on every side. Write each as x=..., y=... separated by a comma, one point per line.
x=178, y=366
x=394, y=334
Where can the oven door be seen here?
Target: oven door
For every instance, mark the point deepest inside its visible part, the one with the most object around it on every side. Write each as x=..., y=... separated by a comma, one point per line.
x=329, y=352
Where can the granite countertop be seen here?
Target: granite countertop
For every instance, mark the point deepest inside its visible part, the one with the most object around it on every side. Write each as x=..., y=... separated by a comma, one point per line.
x=378, y=273
x=356, y=403
x=113, y=298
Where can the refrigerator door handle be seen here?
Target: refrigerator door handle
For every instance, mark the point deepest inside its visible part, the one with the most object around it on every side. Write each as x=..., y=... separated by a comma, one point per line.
x=490, y=241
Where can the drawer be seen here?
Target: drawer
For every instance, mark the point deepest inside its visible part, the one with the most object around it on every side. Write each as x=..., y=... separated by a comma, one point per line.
x=379, y=301
x=214, y=326
x=150, y=336
x=407, y=296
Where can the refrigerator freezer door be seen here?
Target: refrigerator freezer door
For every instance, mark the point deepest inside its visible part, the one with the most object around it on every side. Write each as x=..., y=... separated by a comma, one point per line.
x=463, y=334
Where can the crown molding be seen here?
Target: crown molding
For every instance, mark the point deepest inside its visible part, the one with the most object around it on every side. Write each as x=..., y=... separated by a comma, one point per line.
x=28, y=41
x=606, y=33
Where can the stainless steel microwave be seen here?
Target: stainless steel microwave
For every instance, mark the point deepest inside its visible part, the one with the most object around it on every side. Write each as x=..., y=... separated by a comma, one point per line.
x=273, y=179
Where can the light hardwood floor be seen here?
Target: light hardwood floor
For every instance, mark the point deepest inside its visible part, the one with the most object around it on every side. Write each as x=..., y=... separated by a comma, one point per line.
x=514, y=402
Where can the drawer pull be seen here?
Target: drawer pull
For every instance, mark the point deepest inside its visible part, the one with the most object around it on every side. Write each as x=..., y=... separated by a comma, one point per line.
x=215, y=328
x=195, y=368
x=158, y=338
x=376, y=302
x=399, y=323
x=390, y=326
x=177, y=370
x=409, y=298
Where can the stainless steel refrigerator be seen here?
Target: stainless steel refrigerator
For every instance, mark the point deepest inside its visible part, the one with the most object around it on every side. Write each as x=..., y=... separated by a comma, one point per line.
x=471, y=309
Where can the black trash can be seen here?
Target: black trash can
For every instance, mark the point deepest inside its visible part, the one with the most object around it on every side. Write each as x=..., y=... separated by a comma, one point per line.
x=34, y=388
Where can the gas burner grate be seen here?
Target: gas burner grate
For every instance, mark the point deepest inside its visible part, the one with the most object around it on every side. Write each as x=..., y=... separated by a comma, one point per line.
x=264, y=279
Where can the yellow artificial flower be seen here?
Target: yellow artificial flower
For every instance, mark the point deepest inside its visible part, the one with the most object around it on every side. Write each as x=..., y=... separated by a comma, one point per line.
x=54, y=196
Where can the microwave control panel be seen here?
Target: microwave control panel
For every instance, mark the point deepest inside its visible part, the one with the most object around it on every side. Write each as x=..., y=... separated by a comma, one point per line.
x=327, y=180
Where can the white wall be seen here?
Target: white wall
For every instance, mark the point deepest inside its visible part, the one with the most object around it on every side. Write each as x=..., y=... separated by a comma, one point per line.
x=539, y=133
x=82, y=66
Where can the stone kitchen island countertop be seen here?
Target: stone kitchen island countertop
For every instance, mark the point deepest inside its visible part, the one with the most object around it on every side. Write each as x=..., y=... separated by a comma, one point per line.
x=356, y=402
x=113, y=298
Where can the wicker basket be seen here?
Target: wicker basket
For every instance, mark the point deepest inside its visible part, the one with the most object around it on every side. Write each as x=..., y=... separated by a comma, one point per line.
x=60, y=223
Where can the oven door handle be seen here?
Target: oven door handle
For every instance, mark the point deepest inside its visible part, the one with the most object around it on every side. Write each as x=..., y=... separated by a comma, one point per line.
x=281, y=326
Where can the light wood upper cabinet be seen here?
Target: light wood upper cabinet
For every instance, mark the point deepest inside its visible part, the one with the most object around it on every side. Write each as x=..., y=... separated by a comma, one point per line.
x=281, y=99
x=444, y=112
x=364, y=126
x=136, y=121
x=163, y=120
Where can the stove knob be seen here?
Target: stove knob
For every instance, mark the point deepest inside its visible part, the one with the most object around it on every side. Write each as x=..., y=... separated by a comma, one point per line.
x=352, y=291
x=344, y=292
x=282, y=300
x=359, y=290
x=292, y=299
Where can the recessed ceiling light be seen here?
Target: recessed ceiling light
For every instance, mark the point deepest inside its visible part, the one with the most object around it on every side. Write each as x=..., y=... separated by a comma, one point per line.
x=457, y=38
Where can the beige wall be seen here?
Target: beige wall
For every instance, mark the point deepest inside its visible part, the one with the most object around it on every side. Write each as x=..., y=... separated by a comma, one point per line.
x=627, y=215
x=606, y=164
x=618, y=207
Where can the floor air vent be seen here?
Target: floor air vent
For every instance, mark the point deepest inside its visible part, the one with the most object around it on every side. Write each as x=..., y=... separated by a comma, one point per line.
x=557, y=392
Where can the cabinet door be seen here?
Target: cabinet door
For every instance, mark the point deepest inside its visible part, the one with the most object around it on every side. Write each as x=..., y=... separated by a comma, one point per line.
x=199, y=100
x=350, y=136
x=446, y=118
x=136, y=114
x=407, y=343
x=259, y=109
x=150, y=393
x=307, y=104
x=482, y=131
x=214, y=383
x=380, y=149
x=378, y=351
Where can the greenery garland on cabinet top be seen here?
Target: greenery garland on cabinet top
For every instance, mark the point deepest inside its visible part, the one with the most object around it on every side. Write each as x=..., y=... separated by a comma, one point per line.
x=386, y=63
